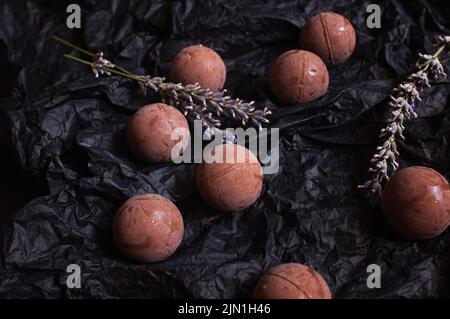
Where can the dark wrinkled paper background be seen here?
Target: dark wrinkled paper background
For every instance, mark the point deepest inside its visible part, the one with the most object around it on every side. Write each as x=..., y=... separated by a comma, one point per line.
x=66, y=132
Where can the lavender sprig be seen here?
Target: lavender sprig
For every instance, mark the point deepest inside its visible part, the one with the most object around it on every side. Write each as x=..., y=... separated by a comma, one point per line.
x=203, y=104
x=402, y=103
x=195, y=102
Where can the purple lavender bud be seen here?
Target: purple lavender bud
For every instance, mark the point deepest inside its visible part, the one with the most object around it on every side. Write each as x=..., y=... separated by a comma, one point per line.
x=227, y=138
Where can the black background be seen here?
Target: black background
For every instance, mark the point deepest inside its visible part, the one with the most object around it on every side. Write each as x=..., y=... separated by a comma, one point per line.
x=63, y=144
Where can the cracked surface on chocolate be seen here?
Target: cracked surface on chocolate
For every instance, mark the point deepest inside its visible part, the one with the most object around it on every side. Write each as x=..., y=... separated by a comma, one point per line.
x=230, y=186
x=329, y=35
x=292, y=281
x=150, y=130
x=416, y=203
x=298, y=76
x=198, y=63
x=148, y=228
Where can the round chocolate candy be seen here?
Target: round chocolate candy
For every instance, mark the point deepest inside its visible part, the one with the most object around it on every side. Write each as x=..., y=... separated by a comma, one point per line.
x=298, y=76
x=416, y=203
x=292, y=281
x=156, y=132
x=148, y=228
x=330, y=36
x=199, y=64
x=230, y=178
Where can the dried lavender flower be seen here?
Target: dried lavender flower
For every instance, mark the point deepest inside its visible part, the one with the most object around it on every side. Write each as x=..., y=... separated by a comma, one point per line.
x=199, y=103
x=402, y=103
x=443, y=40
x=100, y=65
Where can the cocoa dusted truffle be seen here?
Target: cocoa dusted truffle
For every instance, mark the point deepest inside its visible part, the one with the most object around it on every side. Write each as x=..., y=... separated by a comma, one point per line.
x=200, y=64
x=151, y=129
x=291, y=281
x=416, y=203
x=330, y=36
x=148, y=228
x=230, y=179
x=298, y=77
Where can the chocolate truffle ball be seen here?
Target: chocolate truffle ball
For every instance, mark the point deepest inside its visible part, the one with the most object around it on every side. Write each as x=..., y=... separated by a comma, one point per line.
x=291, y=281
x=151, y=129
x=148, y=228
x=298, y=76
x=199, y=64
x=231, y=182
x=416, y=203
x=330, y=36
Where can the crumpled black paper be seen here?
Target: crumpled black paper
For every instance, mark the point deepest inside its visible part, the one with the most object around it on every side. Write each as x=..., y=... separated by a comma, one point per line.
x=69, y=129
